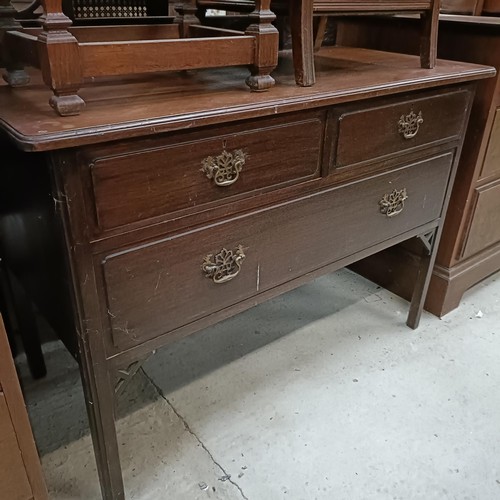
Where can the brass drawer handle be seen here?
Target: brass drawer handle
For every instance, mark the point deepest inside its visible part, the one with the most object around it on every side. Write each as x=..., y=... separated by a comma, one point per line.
x=392, y=204
x=225, y=168
x=410, y=124
x=224, y=266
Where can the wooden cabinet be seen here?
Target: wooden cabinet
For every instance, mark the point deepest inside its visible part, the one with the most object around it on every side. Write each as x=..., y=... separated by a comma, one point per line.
x=470, y=246
x=153, y=248
x=20, y=472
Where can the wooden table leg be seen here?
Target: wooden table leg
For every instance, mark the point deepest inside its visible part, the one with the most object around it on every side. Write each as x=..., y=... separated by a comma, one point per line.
x=430, y=247
x=100, y=401
x=301, y=22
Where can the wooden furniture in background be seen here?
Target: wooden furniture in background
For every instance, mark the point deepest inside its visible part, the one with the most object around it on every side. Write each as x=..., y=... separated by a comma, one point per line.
x=199, y=201
x=491, y=8
x=70, y=56
x=470, y=246
x=471, y=7
x=428, y=10
x=302, y=25
x=20, y=471
x=106, y=12
x=17, y=310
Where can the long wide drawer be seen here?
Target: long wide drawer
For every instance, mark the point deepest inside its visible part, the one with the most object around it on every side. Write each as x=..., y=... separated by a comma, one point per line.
x=196, y=170
x=157, y=287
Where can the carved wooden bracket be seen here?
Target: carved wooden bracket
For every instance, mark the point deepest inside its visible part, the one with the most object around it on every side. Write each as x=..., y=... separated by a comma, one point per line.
x=427, y=239
x=122, y=376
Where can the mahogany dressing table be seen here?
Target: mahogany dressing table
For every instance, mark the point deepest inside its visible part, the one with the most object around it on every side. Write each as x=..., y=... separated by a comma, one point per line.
x=178, y=201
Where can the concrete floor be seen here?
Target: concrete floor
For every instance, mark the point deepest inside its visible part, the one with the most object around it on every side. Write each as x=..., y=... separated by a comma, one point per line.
x=323, y=393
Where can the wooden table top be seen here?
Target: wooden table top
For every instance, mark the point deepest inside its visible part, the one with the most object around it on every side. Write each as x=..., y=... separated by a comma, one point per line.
x=176, y=101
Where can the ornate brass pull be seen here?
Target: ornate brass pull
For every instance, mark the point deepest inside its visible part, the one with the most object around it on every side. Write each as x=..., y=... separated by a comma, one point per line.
x=393, y=203
x=224, y=266
x=225, y=168
x=409, y=124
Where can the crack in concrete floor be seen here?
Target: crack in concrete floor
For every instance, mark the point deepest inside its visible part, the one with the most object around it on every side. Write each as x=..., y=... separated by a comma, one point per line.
x=188, y=428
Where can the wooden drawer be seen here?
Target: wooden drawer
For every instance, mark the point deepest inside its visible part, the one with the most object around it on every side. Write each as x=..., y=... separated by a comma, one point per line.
x=157, y=287
x=370, y=134
x=194, y=172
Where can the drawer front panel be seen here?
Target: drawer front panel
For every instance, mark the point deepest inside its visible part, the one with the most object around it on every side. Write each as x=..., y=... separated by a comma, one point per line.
x=371, y=134
x=149, y=183
x=161, y=286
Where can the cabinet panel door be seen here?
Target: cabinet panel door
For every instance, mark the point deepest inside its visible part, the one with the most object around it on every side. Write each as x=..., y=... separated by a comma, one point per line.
x=491, y=163
x=485, y=228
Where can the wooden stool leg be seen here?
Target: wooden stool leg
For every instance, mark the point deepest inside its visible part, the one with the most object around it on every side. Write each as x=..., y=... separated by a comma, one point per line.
x=430, y=244
x=15, y=75
x=301, y=21
x=186, y=16
x=319, y=32
x=266, y=46
x=60, y=60
x=428, y=41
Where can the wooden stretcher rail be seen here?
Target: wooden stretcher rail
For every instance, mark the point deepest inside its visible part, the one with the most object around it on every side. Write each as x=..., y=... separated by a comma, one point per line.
x=110, y=59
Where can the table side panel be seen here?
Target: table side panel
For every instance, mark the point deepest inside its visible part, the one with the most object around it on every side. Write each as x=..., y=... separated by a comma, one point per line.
x=484, y=230
x=491, y=164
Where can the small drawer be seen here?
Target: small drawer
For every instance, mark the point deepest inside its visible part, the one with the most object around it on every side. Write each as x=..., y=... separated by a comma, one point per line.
x=198, y=172
x=158, y=287
x=369, y=135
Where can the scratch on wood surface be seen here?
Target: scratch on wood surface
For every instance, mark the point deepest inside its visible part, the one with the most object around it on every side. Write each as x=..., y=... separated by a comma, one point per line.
x=158, y=281
x=258, y=277
x=126, y=330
